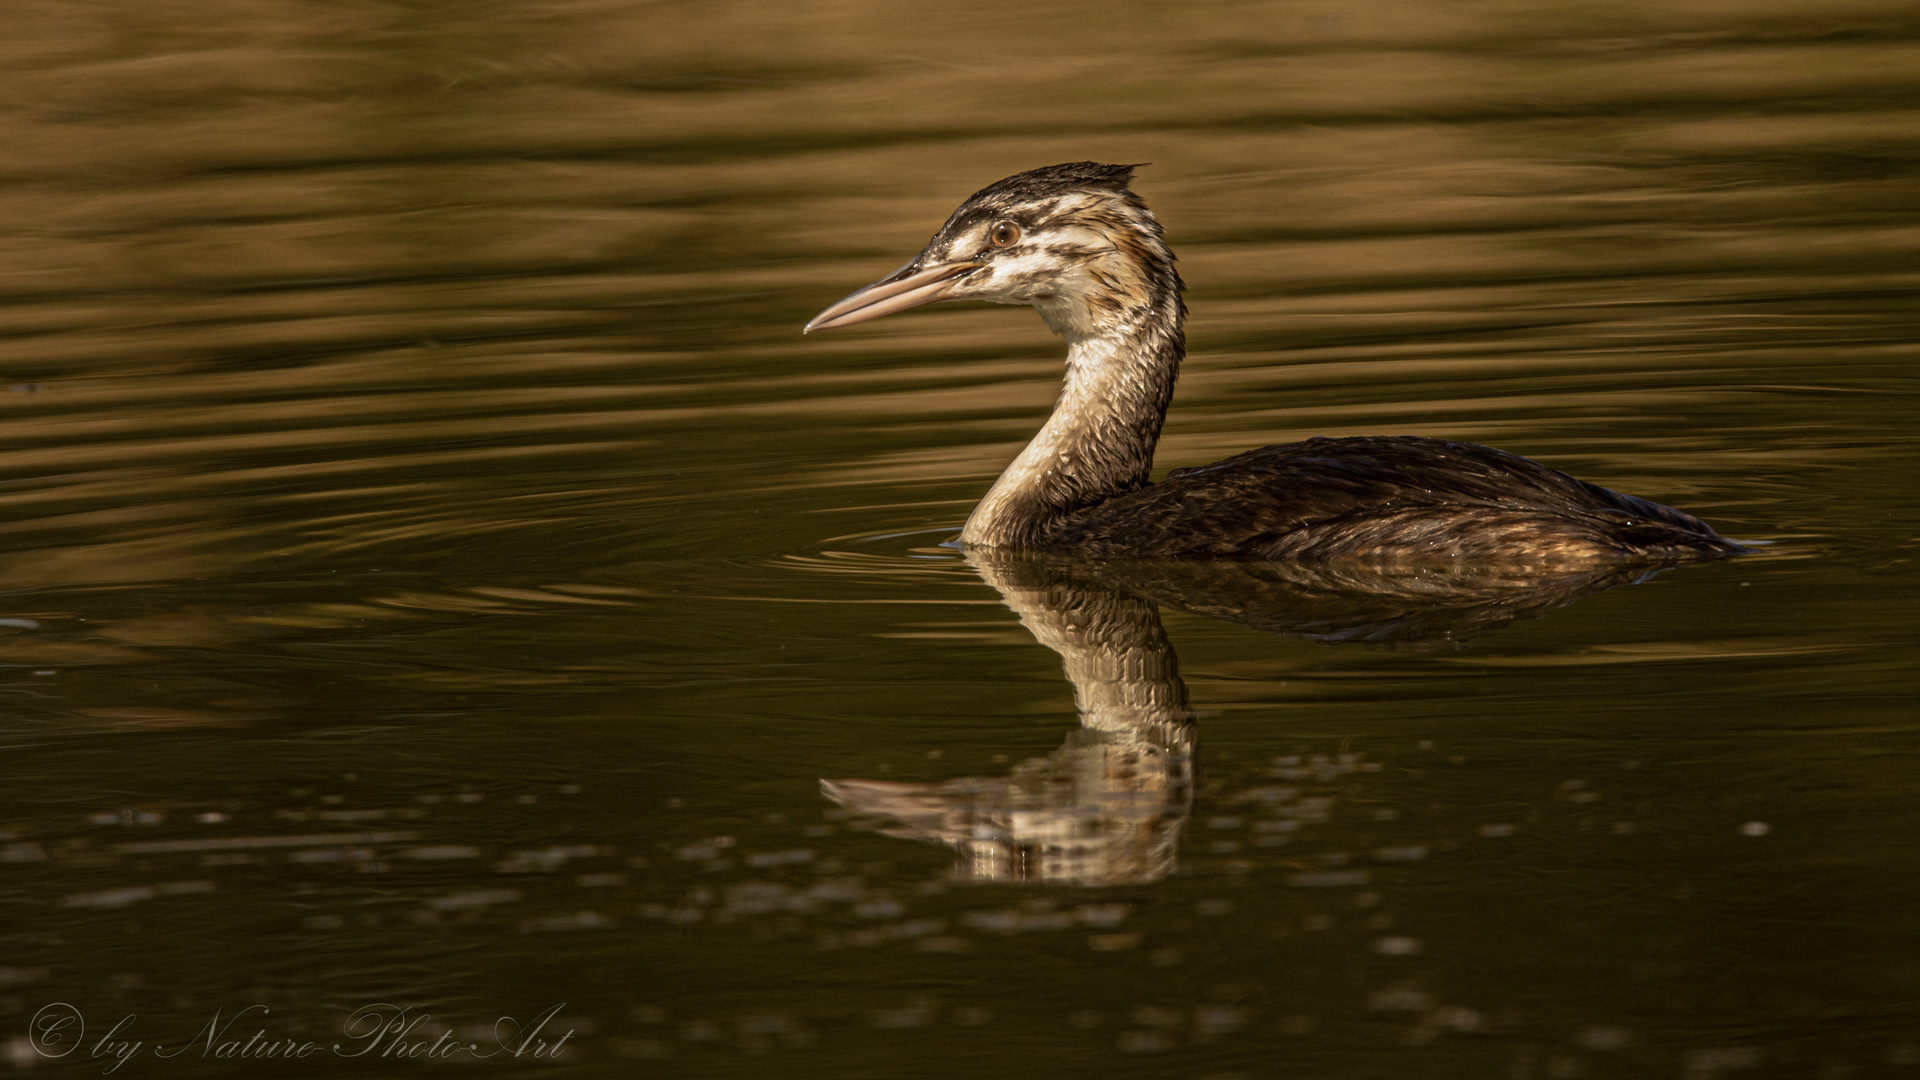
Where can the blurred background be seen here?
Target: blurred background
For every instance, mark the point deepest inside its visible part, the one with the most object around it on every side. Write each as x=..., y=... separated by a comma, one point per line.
x=438, y=573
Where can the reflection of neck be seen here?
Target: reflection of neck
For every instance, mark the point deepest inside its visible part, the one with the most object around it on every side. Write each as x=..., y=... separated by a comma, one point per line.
x=1104, y=809
x=1099, y=441
x=1126, y=679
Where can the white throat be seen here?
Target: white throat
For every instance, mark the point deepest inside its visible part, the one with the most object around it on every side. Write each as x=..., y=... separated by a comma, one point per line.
x=1098, y=443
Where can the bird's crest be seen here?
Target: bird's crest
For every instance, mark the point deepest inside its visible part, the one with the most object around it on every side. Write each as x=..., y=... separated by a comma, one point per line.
x=1056, y=180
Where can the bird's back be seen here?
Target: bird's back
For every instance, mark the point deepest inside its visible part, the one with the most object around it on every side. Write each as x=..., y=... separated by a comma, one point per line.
x=1383, y=498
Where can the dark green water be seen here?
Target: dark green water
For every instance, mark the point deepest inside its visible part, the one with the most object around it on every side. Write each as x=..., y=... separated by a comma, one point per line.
x=440, y=577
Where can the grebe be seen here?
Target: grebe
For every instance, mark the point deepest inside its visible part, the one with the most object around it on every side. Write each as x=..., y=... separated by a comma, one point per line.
x=1073, y=242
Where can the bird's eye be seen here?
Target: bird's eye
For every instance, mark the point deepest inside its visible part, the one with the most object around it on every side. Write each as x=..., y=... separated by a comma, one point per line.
x=1004, y=233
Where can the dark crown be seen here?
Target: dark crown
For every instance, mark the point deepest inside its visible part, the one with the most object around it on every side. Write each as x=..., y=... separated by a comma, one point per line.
x=1055, y=180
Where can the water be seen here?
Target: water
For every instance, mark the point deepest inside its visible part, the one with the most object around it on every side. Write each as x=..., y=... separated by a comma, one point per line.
x=439, y=576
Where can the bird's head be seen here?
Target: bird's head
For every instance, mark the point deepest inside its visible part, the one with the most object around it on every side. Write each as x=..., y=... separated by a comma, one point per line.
x=1068, y=240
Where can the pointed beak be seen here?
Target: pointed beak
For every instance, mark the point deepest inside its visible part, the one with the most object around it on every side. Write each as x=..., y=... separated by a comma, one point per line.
x=904, y=288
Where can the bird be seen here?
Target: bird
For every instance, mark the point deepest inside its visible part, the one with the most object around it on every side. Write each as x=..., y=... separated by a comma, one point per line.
x=1074, y=242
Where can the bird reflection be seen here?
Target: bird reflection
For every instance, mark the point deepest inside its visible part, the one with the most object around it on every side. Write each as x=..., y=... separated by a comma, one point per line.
x=1108, y=806
x=1104, y=809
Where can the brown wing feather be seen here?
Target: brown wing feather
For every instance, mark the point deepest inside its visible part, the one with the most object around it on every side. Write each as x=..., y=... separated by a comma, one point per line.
x=1384, y=497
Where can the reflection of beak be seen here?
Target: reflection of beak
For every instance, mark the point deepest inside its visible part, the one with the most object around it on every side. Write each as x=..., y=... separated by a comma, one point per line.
x=904, y=288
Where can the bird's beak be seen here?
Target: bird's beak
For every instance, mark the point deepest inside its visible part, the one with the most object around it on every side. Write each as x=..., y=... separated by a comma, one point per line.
x=904, y=288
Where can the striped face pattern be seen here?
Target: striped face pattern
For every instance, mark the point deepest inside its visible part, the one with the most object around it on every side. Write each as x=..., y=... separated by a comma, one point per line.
x=1068, y=240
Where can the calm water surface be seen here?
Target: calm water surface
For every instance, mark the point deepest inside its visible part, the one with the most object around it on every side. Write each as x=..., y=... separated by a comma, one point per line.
x=439, y=575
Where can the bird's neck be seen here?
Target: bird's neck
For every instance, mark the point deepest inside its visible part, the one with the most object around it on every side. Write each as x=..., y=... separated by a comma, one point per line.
x=1099, y=441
